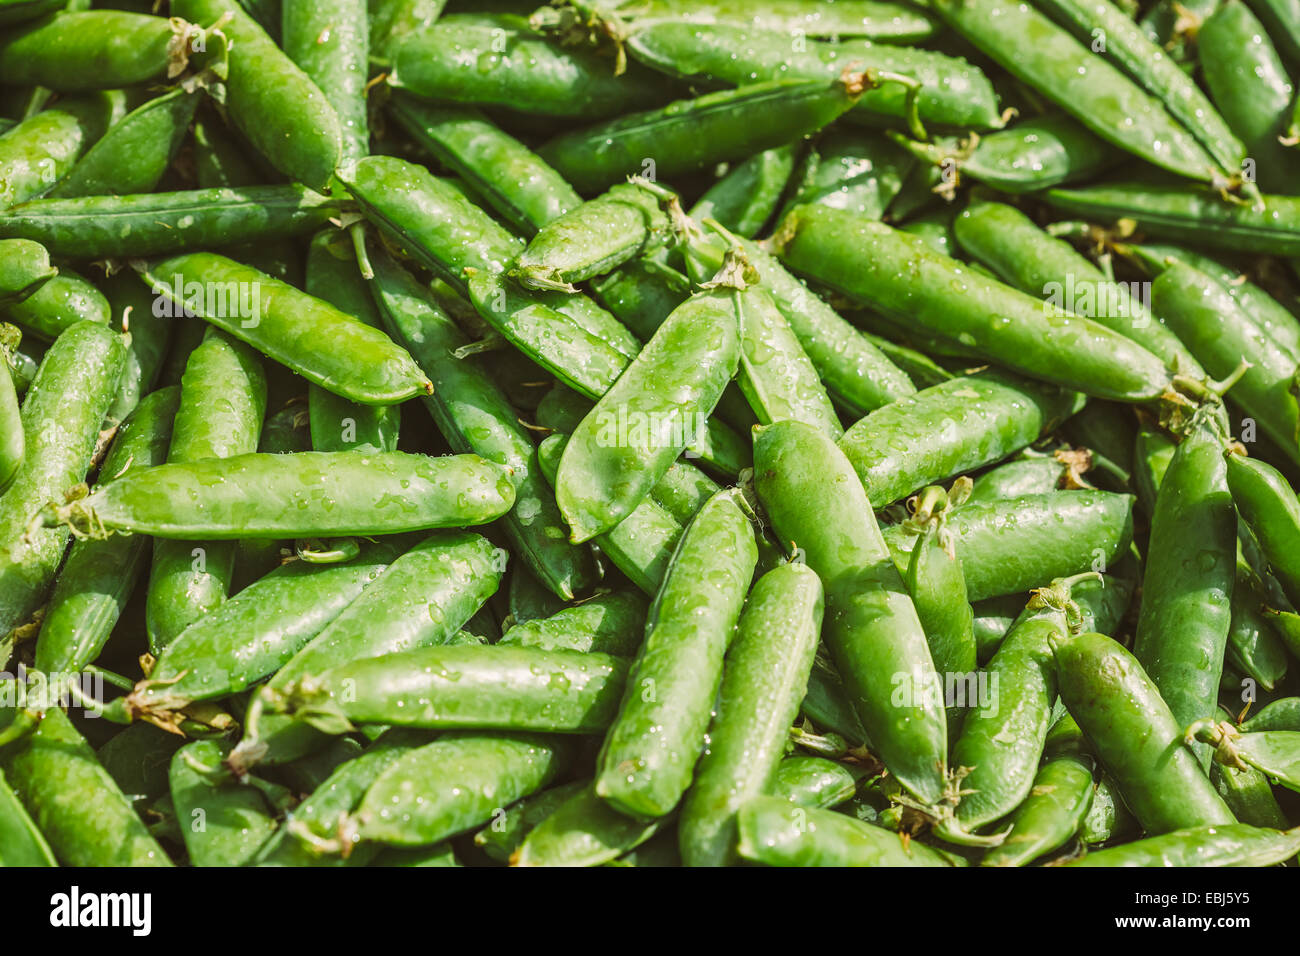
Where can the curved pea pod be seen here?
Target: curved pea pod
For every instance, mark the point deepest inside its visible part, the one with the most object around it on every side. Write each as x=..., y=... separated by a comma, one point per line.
x=150, y=341
x=527, y=600
x=860, y=172
x=61, y=416
x=774, y=833
x=763, y=681
x=1269, y=506
x=892, y=273
x=40, y=150
x=22, y=842
x=13, y=443
x=285, y=496
x=1109, y=818
x=683, y=491
x=1274, y=753
x=24, y=268
x=135, y=153
x=949, y=429
x=98, y=576
x=391, y=19
x=330, y=43
x=429, y=218
x=74, y=802
x=689, y=135
x=1060, y=471
x=456, y=783
x=1089, y=87
x=892, y=22
x=508, y=829
x=58, y=304
x=1283, y=714
x=745, y=198
x=336, y=423
x=1135, y=736
x=583, y=831
x=816, y=504
x=635, y=432
x=271, y=100
x=827, y=705
x=622, y=223
x=1010, y=546
x=1248, y=794
x=641, y=294
x=223, y=822
x=1153, y=450
x=1191, y=214
x=16, y=11
x=1254, y=647
x=815, y=782
x=1282, y=18
x=610, y=623
x=510, y=177
x=150, y=224
x=474, y=416
x=499, y=61
x=326, y=346
x=993, y=619
x=1233, y=844
x=1053, y=812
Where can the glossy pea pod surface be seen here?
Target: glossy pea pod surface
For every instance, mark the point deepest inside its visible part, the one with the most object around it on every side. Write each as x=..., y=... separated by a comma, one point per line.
x=774, y=833
x=1268, y=505
x=1235, y=844
x=93, y=50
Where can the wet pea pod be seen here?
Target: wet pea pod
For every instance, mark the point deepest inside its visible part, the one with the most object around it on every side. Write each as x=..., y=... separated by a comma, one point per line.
x=1254, y=647
x=13, y=443
x=508, y=829
x=323, y=344
x=816, y=504
x=745, y=198
x=1136, y=736
x=223, y=822
x=1109, y=818
x=1269, y=506
x=61, y=302
x=150, y=224
x=474, y=415
x=1283, y=714
x=861, y=172
x=391, y=19
x=1062, y=470
x=1282, y=17
x=908, y=281
x=763, y=681
x=890, y=22
x=774, y=833
x=583, y=831
x=612, y=623
x=815, y=781
x=1050, y=815
x=39, y=151
x=330, y=43
x=642, y=293
x=22, y=841
x=951, y=428
x=1233, y=844
x=150, y=339
x=1247, y=793
x=24, y=268
x=62, y=413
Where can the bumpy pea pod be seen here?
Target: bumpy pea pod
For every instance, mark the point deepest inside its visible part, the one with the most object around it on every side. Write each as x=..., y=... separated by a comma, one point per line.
x=61, y=416
x=774, y=833
x=74, y=802
x=1109, y=818
x=951, y=428
x=1135, y=736
x=40, y=150
x=1235, y=844
x=646, y=762
x=1269, y=506
x=816, y=503
x=913, y=284
x=59, y=303
x=1050, y=815
x=98, y=576
x=22, y=842
x=745, y=198
x=763, y=681
x=24, y=268
x=610, y=623
x=474, y=416
x=223, y=821
x=583, y=831
x=815, y=781
x=330, y=43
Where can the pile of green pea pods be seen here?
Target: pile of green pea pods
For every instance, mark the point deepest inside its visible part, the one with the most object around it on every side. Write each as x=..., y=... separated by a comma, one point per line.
x=849, y=433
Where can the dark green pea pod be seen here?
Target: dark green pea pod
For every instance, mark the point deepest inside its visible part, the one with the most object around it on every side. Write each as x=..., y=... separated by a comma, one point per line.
x=1089, y=87
x=993, y=619
x=324, y=345
x=1274, y=753
x=815, y=782
x=1269, y=506
x=1109, y=431
x=624, y=222
x=101, y=227
x=137, y=758
x=896, y=275
x=1050, y=815
x=1253, y=646
x=98, y=576
x=454, y=784
x=510, y=177
x=949, y=429
x=285, y=432
x=1173, y=25
x=150, y=340
x=612, y=623
x=24, y=268
x=223, y=821
x=13, y=443
x=745, y=198
x=1109, y=818
x=642, y=293
x=330, y=43
x=528, y=600
x=19, y=836
x=16, y=11
x=61, y=414
x=135, y=153
x=1152, y=453
x=583, y=831
x=508, y=829
x=1248, y=794
x=774, y=833
x=1035, y=153
x=271, y=100
x=691, y=135
x=1135, y=736
x=860, y=172
x=474, y=416
x=817, y=505
x=1232, y=844
x=763, y=681
x=100, y=827
x=632, y=436
x=60, y=303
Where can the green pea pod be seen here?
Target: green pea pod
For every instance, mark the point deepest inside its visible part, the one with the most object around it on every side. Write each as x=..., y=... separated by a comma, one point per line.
x=683, y=491
x=1254, y=647
x=622, y=448
x=326, y=346
x=1152, y=453
x=330, y=43
x=774, y=833
x=993, y=619
x=583, y=831
x=815, y=782
x=816, y=504
x=223, y=823
x=1052, y=813
x=22, y=841
x=1269, y=506
x=858, y=172
x=1046, y=57
x=949, y=429
x=1248, y=794
x=827, y=705
x=1136, y=737
x=41, y=149
x=271, y=100
x=454, y=784
x=642, y=293
x=1282, y=17
x=55, y=761
x=1281, y=714
x=150, y=340
x=137, y=758
x=1109, y=818
x=24, y=268
x=892, y=22
x=527, y=600
x=503, y=836
x=913, y=284
x=510, y=177
x=16, y=11
x=745, y=198
x=135, y=153
x=391, y=19
x=690, y=135
x=474, y=416
x=1060, y=471
x=61, y=302
x=13, y=443
x=61, y=417
x=610, y=623
x=1232, y=844
x=100, y=227
x=763, y=681
x=647, y=759
x=98, y=576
